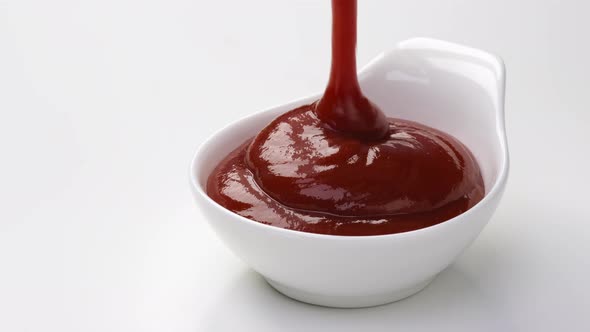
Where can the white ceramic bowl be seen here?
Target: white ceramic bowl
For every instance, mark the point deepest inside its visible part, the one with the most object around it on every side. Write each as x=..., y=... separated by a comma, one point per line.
x=454, y=88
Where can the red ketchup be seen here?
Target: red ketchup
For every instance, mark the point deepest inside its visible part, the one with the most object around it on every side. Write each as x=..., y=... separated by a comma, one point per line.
x=339, y=166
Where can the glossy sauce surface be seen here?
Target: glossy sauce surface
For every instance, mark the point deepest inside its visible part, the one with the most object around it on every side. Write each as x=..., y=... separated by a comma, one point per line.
x=339, y=166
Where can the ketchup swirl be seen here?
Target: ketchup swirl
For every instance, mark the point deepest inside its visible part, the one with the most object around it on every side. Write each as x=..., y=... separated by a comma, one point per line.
x=340, y=166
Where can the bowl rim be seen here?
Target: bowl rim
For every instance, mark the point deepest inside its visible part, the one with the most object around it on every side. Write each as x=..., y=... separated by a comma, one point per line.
x=413, y=43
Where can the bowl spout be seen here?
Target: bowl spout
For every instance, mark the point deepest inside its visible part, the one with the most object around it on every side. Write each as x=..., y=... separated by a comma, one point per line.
x=454, y=88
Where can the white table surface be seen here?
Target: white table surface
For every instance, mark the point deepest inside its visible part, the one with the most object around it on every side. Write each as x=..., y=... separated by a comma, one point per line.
x=102, y=104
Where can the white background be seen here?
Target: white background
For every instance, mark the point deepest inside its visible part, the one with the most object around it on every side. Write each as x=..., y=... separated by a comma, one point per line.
x=102, y=104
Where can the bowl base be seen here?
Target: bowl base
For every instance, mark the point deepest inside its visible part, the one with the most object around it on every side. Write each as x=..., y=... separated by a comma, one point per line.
x=360, y=301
